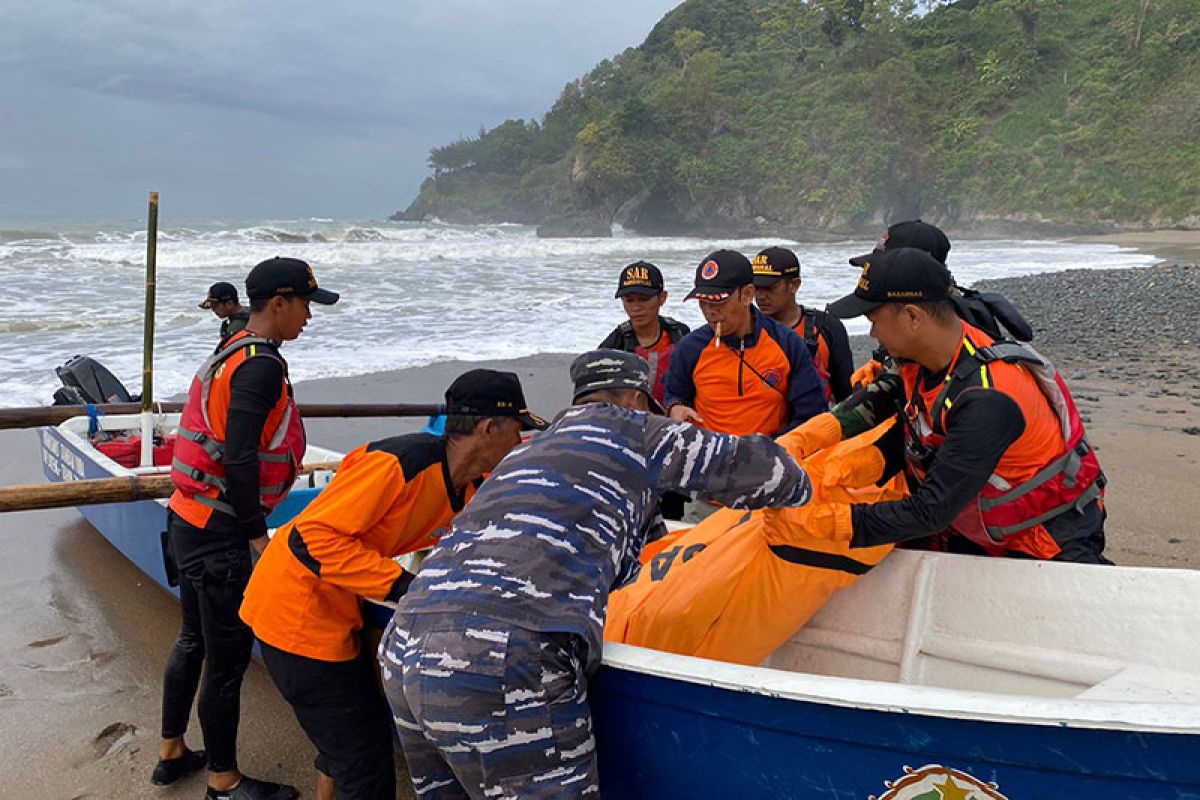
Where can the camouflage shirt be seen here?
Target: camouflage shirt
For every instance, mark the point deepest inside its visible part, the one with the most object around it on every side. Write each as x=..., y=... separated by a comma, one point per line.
x=562, y=520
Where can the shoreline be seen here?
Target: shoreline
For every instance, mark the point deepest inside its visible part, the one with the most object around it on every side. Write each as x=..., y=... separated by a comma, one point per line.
x=1169, y=245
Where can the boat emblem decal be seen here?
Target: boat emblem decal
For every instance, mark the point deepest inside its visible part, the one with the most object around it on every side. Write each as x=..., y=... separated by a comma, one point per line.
x=936, y=782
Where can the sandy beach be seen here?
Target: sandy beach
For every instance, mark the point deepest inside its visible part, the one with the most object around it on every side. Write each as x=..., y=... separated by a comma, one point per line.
x=84, y=635
x=1170, y=245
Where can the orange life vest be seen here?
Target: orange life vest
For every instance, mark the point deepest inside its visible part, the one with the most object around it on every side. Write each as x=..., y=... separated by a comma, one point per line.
x=1049, y=470
x=197, y=469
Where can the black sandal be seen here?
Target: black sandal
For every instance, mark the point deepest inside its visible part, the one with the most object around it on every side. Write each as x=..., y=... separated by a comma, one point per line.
x=169, y=770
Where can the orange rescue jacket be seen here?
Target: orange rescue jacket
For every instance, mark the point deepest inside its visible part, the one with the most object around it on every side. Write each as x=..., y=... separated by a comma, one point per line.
x=388, y=498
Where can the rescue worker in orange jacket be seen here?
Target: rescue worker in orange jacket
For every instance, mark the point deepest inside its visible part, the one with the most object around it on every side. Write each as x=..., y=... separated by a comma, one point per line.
x=776, y=281
x=240, y=444
x=388, y=498
x=990, y=441
x=743, y=372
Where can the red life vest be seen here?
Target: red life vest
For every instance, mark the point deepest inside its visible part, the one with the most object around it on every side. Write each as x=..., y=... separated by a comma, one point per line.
x=197, y=469
x=807, y=328
x=1008, y=513
x=658, y=355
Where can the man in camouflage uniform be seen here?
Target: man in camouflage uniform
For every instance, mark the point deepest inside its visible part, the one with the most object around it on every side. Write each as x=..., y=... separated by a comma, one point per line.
x=485, y=662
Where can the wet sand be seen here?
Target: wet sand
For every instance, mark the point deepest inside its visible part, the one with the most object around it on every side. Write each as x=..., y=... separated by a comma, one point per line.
x=1170, y=245
x=84, y=635
x=83, y=640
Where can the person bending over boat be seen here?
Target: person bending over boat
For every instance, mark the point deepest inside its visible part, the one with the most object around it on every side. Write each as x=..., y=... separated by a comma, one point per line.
x=240, y=443
x=990, y=440
x=743, y=372
x=388, y=498
x=776, y=282
x=486, y=658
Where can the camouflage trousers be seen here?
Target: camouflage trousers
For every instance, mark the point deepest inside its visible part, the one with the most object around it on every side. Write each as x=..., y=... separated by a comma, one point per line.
x=488, y=709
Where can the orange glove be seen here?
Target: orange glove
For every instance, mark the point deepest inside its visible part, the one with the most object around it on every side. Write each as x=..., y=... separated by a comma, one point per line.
x=866, y=374
x=816, y=434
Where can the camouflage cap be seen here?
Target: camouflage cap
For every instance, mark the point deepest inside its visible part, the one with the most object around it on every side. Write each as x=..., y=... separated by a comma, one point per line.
x=600, y=370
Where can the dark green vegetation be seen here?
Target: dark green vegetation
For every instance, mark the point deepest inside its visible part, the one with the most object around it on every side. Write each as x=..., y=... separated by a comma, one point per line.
x=744, y=115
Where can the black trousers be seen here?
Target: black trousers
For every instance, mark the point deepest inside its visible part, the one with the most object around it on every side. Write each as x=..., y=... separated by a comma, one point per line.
x=213, y=571
x=340, y=707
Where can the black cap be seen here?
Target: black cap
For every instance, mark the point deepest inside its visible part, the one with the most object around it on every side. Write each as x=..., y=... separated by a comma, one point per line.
x=775, y=264
x=489, y=393
x=721, y=274
x=219, y=292
x=905, y=275
x=286, y=277
x=912, y=233
x=612, y=369
x=640, y=277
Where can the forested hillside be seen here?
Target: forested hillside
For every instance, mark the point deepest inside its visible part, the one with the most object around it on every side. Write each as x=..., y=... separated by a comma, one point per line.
x=741, y=115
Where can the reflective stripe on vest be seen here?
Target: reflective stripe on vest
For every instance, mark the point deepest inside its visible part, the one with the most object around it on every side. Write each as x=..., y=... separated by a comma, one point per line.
x=197, y=469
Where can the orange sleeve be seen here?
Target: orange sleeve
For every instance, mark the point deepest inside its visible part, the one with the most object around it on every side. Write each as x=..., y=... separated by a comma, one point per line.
x=331, y=529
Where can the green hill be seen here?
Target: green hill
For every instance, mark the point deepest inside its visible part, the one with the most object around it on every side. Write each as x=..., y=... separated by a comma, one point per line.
x=747, y=115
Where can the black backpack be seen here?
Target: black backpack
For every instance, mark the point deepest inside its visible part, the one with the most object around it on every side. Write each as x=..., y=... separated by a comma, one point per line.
x=988, y=311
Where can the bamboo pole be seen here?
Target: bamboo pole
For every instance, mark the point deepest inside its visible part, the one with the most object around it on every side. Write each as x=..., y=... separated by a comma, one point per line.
x=147, y=455
x=127, y=489
x=40, y=416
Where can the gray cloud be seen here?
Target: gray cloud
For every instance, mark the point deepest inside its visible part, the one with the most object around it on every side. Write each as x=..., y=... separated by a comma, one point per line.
x=273, y=108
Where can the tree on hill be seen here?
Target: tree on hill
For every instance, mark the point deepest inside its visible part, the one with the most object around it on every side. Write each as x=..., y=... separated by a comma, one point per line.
x=843, y=113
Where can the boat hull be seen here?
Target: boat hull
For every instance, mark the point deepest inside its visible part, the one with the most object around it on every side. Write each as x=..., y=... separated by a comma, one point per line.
x=135, y=529
x=663, y=738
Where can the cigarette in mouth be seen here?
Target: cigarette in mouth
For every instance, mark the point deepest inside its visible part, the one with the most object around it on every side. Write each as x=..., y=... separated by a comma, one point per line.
x=717, y=338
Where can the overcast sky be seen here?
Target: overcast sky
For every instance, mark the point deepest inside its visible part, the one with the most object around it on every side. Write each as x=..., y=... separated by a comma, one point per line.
x=273, y=109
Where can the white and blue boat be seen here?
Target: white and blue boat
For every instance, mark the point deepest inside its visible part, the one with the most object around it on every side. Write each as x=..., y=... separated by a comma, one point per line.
x=934, y=677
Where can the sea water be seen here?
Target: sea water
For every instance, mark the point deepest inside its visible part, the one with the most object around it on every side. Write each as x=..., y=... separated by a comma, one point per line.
x=412, y=293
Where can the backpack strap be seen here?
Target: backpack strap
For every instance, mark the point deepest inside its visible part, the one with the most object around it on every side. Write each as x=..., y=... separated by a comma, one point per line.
x=676, y=330
x=629, y=340
x=812, y=336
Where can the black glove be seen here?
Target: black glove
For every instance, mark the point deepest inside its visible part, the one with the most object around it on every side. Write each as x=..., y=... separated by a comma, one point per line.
x=869, y=405
x=400, y=586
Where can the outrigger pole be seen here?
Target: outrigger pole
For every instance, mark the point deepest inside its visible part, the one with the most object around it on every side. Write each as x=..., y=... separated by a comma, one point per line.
x=147, y=459
x=38, y=416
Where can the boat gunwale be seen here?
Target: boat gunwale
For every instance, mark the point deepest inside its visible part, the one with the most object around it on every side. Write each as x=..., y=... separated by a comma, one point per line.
x=898, y=698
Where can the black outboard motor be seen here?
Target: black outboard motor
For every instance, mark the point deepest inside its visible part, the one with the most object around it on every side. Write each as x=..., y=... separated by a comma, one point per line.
x=86, y=380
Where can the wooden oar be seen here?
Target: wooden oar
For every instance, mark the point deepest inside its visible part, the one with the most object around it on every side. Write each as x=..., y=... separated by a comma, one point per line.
x=38, y=416
x=35, y=496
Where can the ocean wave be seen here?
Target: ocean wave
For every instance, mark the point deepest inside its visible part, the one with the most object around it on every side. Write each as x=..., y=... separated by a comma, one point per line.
x=417, y=293
x=27, y=236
